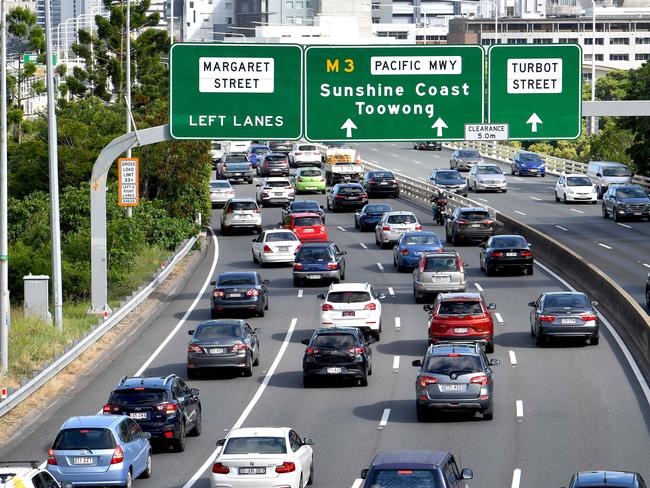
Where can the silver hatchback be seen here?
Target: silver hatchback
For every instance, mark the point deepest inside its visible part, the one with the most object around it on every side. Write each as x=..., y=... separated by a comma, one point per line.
x=392, y=225
x=438, y=272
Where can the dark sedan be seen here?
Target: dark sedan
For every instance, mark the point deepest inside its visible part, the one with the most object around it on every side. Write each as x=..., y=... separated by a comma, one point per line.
x=224, y=343
x=506, y=252
x=239, y=291
x=450, y=180
x=301, y=206
x=346, y=196
x=380, y=183
x=563, y=314
x=469, y=223
x=614, y=479
x=427, y=146
x=369, y=216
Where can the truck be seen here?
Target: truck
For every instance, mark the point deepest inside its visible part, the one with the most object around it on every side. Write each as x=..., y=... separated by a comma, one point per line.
x=236, y=147
x=235, y=167
x=342, y=163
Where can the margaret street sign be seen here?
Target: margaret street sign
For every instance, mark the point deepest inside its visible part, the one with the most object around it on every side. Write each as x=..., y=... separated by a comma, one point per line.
x=536, y=90
x=235, y=91
x=392, y=93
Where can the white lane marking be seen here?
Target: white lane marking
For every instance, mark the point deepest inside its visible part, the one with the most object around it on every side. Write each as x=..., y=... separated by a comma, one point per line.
x=398, y=323
x=299, y=293
x=646, y=265
x=391, y=292
x=395, y=363
x=384, y=418
x=516, y=478
x=363, y=245
x=576, y=210
x=341, y=228
x=519, y=409
x=499, y=318
x=374, y=148
x=249, y=408
x=189, y=310
x=562, y=228
x=516, y=178
x=535, y=198
x=520, y=213
x=551, y=187
x=482, y=199
x=393, y=144
x=394, y=155
x=513, y=358
x=357, y=483
x=623, y=225
x=417, y=162
x=604, y=245
x=478, y=287
x=380, y=266
x=626, y=352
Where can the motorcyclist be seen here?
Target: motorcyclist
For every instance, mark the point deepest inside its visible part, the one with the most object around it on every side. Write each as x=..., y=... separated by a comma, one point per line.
x=439, y=201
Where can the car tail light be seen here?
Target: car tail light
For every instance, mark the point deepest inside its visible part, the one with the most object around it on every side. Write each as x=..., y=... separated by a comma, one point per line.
x=340, y=196
x=496, y=253
x=462, y=222
x=51, y=460
x=168, y=408
x=423, y=262
x=118, y=456
x=385, y=227
x=229, y=211
x=267, y=248
x=480, y=380
x=370, y=306
x=257, y=211
x=298, y=266
x=588, y=316
x=364, y=195
x=418, y=227
x=372, y=181
x=299, y=179
x=252, y=292
x=321, y=228
x=218, y=293
x=547, y=318
x=108, y=408
x=194, y=348
x=333, y=265
x=427, y=380
x=527, y=254
x=488, y=221
x=298, y=153
x=326, y=307
x=453, y=355
x=285, y=467
x=239, y=347
x=459, y=262
x=230, y=192
x=322, y=178
x=357, y=350
x=310, y=350
x=288, y=187
x=220, y=468
x=405, y=252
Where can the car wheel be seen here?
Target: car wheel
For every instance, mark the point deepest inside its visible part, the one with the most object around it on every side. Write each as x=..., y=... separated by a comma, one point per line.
x=530, y=270
x=615, y=214
x=192, y=374
x=258, y=229
x=196, y=430
x=214, y=314
x=539, y=340
x=128, y=483
x=543, y=175
x=364, y=381
x=248, y=370
x=310, y=481
x=260, y=312
x=297, y=282
x=255, y=260
x=179, y=442
x=488, y=413
x=356, y=224
x=557, y=198
x=250, y=181
x=564, y=199
x=489, y=270
x=225, y=230
x=447, y=236
x=594, y=340
x=417, y=297
x=421, y=412
x=377, y=243
x=336, y=280
x=328, y=204
x=489, y=347
x=454, y=239
x=512, y=170
x=475, y=187
x=605, y=214
x=257, y=358
x=148, y=470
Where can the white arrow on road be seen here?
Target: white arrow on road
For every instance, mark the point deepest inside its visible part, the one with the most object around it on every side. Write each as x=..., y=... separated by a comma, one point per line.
x=439, y=124
x=348, y=125
x=534, y=120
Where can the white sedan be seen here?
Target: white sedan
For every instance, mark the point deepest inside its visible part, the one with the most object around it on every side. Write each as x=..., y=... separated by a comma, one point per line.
x=575, y=188
x=220, y=192
x=275, y=190
x=263, y=457
x=275, y=246
x=352, y=305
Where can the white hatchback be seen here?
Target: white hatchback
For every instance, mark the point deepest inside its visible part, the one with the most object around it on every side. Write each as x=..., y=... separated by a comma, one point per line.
x=575, y=188
x=352, y=305
x=392, y=225
x=275, y=246
x=275, y=190
x=263, y=457
x=305, y=155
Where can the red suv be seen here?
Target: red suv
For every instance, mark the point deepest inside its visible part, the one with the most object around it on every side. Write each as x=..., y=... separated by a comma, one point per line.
x=307, y=226
x=461, y=317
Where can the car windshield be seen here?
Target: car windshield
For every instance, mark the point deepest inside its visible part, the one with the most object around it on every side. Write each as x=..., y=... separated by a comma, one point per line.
x=578, y=181
x=311, y=254
x=277, y=184
x=616, y=171
x=421, y=239
x=306, y=147
x=404, y=478
x=489, y=170
x=311, y=172
x=378, y=209
x=382, y=174
x=236, y=158
x=257, y=445
x=448, y=364
x=566, y=302
x=334, y=340
x=242, y=206
x=530, y=158
x=220, y=185
x=208, y=332
x=236, y=280
x=216, y=146
x=305, y=205
x=474, y=215
x=144, y=396
x=86, y=438
x=631, y=193
x=448, y=175
x=260, y=150
x=440, y=263
x=402, y=219
x=280, y=236
x=509, y=242
x=307, y=221
x=464, y=307
x=350, y=190
x=275, y=158
x=348, y=296
x=469, y=154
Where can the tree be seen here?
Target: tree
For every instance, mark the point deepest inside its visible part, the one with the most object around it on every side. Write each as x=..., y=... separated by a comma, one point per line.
x=639, y=89
x=613, y=86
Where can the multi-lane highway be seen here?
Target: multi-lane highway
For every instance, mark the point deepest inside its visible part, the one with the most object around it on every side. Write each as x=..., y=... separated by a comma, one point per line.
x=620, y=249
x=558, y=409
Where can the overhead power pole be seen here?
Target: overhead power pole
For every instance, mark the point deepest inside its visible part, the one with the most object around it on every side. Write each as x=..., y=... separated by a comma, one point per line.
x=4, y=240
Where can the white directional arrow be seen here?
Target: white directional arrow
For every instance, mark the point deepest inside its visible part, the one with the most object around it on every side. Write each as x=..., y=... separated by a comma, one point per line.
x=533, y=120
x=348, y=125
x=439, y=125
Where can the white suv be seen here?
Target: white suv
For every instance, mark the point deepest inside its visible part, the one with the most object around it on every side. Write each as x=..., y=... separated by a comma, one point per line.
x=352, y=305
x=305, y=154
x=275, y=190
x=575, y=188
x=27, y=477
x=241, y=213
x=393, y=225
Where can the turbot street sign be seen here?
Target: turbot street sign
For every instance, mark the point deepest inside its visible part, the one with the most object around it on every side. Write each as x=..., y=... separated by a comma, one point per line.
x=235, y=91
x=536, y=90
x=392, y=93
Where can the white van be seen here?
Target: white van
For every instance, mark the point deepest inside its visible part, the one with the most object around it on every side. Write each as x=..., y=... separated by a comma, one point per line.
x=606, y=173
x=237, y=147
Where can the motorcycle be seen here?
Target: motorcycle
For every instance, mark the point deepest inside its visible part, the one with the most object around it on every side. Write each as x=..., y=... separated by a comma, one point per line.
x=438, y=208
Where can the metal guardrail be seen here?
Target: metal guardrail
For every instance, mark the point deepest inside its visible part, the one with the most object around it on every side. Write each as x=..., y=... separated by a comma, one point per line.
x=22, y=393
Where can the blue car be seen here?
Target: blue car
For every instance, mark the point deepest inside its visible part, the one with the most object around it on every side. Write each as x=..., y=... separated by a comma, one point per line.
x=256, y=153
x=318, y=261
x=369, y=216
x=406, y=252
x=528, y=163
x=100, y=450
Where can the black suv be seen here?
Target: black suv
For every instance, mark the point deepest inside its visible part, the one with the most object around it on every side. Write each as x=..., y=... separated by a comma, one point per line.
x=626, y=201
x=454, y=376
x=165, y=407
x=342, y=352
x=618, y=479
x=346, y=195
x=469, y=224
x=380, y=182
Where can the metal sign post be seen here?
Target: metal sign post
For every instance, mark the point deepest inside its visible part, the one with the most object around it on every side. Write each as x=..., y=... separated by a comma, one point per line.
x=5, y=306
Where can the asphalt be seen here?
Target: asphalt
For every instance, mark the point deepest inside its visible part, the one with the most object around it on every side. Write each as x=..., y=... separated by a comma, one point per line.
x=582, y=407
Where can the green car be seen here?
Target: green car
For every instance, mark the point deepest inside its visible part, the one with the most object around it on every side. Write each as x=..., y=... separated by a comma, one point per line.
x=308, y=180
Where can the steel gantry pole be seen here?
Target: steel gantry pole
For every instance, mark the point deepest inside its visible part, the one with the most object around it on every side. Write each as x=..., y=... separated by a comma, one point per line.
x=54, y=172
x=4, y=240
x=593, y=61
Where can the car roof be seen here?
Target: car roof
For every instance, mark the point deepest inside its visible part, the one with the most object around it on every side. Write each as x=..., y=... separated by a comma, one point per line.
x=562, y=293
x=605, y=478
x=241, y=199
x=259, y=145
x=304, y=201
x=276, y=178
x=507, y=236
x=574, y=175
x=93, y=421
x=449, y=297
x=607, y=163
x=404, y=458
x=419, y=233
x=296, y=215
x=528, y=152
x=316, y=244
x=399, y=212
x=259, y=432
x=277, y=231
x=298, y=170
x=233, y=274
x=133, y=381
x=220, y=181
x=349, y=287
x=348, y=185
x=336, y=330
x=472, y=209
x=222, y=322
x=275, y=154
x=629, y=185
x=443, y=254
x=444, y=349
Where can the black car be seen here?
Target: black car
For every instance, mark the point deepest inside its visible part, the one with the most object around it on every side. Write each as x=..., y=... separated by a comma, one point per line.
x=370, y=215
x=342, y=352
x=300, y=206
x=380, y=183
x=273, y=164
x=506, y=252
x=604, y=479
x=345, y=196
x=626, y=201
x=450, y=180
x=239, y=291
x=427, y=146
x=224, y=343
x=317, y=261
x=469, y=223
x=564, y=314
x=454, y=376
x=407, y=469
x=163, y=406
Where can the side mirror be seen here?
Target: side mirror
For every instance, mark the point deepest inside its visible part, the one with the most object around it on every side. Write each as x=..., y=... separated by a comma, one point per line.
x=529, y=245
x=305, y=342
x=364, y=474
x=343, y=253
x=599, y=175
x=213, y=282
x=190, y=332
x=381, y=296
x=482, y=245
x=465, y=264
x=594, y=303
x=66, y=484
x=427, y=308
x=308, y=442
x=221, y=442
x=417, y=363
x=495, y=362
x=257, y=330
x=266, y=282
x=371, y=340
x=146, y=435
x=320, y=296
x=492, y=306
x=467, y=474
x=531, y=304
x=195, y=391
x=253, y=240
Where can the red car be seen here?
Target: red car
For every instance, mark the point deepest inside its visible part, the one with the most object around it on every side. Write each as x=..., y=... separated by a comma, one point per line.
x=461, y=317
x=307, y=226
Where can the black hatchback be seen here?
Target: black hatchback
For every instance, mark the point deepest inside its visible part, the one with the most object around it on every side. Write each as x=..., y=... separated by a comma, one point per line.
x=380, y=183
x=506, y=252
x=244, y=291
x=342, y=352
x=346, y=196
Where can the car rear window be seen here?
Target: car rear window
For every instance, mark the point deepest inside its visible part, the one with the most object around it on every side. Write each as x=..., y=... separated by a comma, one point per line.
x=489, y=170
x=243, y=206
x=305, y=221
x=71, y=439
x=631, y=193
x=447, y=364
x=281, y=236
x=275, y=158
x=277, y=184
x=260, y=150
x=350, y=190
x=469, y=154
x=334, y=340
x=220, y=185
x=475, y=215
x=258, y=445
x=305, y=205
x=146, y=396
x=421, y=240
x=434, y=264
x=207, y=332
x=401, y=219
x=617, y=171
x=311, y=172
x=566, y=302
x=578, y=181
x=465, y=307
x=310, y=254
x=404, y=478
x=307, y=147
x=236, y=158
x=348, y=296
x=509, y=242
x=236, y=280
x=382, y=174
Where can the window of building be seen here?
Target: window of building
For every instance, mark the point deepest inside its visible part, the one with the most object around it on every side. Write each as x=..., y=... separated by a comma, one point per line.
x=516, y=40
x=619, y=57
x=619, y=27
x=228, y=5
x=599, y=41
x=375, y=20
x=642, y=26
x=194, y=16
x=642, y=56
x=568, y=40
x=619, y=40
x=206, y=20
x=289, y=5
x=487, y=42
x=229, y=20
x=544, y=40
x=600, y=57
x=394, y=35
x=588, y=57
x=643, y=40
x=191, y=4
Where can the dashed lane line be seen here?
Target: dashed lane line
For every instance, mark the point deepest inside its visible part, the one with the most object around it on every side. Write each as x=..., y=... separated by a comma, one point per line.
x=391, y=292
x=363, y=245
x=513, y=358
x=398, y=323
x=299, y=293
x=562, y=228
x=396, y=364
x=341, y=228
x=604, y=245
x=499, y=318
x=516, y=478
x=384, y=418
x=576, y=210
x=536, y=199
x=520, y=213
x=478, y=287
x=623, y=225
x=519, y=410
x=380, y=266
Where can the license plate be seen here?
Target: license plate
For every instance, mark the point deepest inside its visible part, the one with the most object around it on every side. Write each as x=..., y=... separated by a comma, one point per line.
x=353, y=198
x=82, y=460
x=283, y=249
x=474, y=226
x=239, y=174
x=278, y=194
x=568, y=321
x=383, y=182
x=637, y=213
x=454, y=387
x=217, y=350
x=533, y=170
x=313, y=277
x=308, y=230
x=333, y=370
x=252, y=471
x=348, y=313
x=460, y=330
x=234, y=295
x=511, y=254
x=442, y=278
x=138, y=415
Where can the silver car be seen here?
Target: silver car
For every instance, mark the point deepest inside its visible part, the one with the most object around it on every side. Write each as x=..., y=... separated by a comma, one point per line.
x=438, y=272
x=463, y=159
x=241, y=213
x=392, y=225
x=220, y=192
x=488, y=176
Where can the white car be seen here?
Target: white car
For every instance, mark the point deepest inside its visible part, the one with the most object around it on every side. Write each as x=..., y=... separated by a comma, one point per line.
x=352, y=305
x=241, y=213
x=220, y=192
x=275, y=246
x=305, y=154
x=483, y=177
x=13, y=475
x=575, y=188
x=275, y=190
x=263, y=457
x=392, y=225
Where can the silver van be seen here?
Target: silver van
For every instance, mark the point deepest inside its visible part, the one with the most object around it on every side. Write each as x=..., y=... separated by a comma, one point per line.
x=438, y=272
x=606, y=173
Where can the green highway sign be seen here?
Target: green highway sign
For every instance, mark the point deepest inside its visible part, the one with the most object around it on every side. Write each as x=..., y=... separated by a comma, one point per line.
x=32, y=57
x=536, y=90
x=392, y=93
x=235, y=91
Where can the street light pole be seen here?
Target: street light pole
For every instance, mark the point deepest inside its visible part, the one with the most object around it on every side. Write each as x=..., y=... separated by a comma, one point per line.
x=5, y=309
x=593, y=61
x=129, y=210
